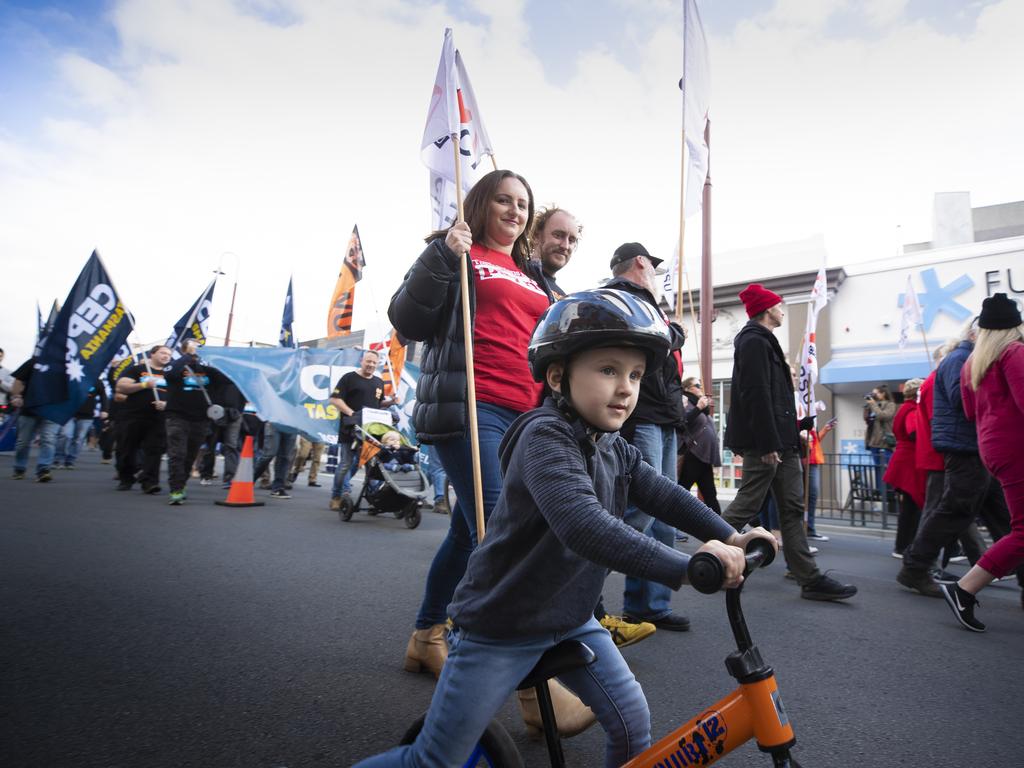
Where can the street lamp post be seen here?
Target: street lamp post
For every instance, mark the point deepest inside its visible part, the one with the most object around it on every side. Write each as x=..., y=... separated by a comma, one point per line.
x=234, y=292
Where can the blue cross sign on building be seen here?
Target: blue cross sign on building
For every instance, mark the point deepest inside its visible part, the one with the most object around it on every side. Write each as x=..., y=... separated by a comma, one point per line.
x=937, y=298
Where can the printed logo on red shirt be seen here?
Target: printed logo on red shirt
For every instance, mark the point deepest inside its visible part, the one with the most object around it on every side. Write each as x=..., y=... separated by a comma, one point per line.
x=486, y=270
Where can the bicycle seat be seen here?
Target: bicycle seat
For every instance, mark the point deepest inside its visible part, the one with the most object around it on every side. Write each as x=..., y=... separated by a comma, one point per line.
x=567, y=655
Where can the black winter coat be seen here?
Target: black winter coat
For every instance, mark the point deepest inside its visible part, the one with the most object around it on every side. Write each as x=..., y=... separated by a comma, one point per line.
x=428, y=307
x=762, y=409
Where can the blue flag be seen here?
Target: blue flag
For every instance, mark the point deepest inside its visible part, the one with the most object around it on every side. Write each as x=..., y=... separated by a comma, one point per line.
x=87, y=332
x=45, y=328
x=287, y=318
x=194, y=323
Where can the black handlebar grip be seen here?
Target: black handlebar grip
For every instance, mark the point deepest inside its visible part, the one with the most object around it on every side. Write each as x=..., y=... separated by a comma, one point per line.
x=705, y=573
x=760, y=553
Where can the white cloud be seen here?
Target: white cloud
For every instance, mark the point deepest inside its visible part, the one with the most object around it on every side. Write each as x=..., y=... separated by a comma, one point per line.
x=215, y=130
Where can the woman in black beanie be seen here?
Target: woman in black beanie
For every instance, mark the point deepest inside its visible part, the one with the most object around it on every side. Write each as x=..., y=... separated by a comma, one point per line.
x=992, y=388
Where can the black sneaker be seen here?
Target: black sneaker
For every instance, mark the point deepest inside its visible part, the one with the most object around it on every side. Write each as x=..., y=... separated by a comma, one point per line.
x=962, y=603
x=919, y=581
x=313, y=484
x=672, y=622
x=44, y=476
x=826, y=588
x=151, y=489
x=280, y=493
x=18, y=474
x=124, y=486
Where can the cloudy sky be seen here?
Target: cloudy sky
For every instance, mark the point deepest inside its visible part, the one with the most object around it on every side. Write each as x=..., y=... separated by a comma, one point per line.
x=176, y=136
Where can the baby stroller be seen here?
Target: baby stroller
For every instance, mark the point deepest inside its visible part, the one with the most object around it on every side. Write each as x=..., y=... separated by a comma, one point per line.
x=400, y=492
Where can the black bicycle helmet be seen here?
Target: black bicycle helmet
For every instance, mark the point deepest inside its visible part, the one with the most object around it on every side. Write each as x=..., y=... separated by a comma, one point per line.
x=598, y=318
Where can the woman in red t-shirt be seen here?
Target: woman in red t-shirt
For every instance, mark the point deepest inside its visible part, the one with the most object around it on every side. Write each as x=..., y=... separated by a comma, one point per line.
x=507, y=295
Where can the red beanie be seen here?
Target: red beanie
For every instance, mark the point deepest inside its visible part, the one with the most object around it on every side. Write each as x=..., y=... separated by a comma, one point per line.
x=756, y=298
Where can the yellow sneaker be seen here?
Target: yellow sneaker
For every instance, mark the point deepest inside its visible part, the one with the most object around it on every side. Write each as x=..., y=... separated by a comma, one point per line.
x=626, y=632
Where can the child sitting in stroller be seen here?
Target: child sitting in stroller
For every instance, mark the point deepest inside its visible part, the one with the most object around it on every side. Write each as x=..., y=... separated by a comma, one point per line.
x=394, y=456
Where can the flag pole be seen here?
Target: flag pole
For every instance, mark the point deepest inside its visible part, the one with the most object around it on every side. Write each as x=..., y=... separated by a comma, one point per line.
x=467, y=334
x=681, y=265
x=707, y=291
x=924, y=338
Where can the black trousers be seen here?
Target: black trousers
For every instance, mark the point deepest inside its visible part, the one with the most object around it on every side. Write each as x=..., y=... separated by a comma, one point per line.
x=968, y=490
x=693, y=470
x=140, y=446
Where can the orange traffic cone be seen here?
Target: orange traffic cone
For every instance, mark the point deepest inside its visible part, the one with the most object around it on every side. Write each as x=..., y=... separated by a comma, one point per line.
x=242, y=493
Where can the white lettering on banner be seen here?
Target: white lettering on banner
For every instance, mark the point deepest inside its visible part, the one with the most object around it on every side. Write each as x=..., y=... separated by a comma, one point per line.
x=311, y=375
x=487, y=271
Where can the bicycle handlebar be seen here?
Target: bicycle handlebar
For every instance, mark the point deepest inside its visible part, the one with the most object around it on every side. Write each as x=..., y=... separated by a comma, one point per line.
x=706, y=573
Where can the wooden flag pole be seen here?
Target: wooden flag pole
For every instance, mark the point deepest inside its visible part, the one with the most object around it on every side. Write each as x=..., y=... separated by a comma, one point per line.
x=707, y=291
x=682, y=261
x=467, y=334
x=924, y=338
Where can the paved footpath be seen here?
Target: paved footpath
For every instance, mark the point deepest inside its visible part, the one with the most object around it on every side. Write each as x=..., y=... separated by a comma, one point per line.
x=135, y=634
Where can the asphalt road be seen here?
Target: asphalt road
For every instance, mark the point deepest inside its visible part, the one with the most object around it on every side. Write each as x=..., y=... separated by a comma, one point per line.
x=135, y=634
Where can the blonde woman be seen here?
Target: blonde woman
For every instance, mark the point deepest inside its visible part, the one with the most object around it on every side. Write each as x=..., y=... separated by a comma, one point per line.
x=992, y=387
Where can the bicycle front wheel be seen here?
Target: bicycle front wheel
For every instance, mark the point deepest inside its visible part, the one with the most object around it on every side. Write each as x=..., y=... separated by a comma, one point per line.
x=494, y=750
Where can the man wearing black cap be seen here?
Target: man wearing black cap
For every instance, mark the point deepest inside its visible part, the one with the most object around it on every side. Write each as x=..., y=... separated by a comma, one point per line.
x=762, y=428
x=651, y=428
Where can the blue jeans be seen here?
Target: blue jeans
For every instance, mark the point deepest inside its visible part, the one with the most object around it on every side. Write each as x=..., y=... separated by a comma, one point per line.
x=482, y=672
x=346, y=468
x=70, y=438
x=649, y=599
x=28, y=428
x=449, y=564
x=435, y=472
x=881, y=457
x=278, y=447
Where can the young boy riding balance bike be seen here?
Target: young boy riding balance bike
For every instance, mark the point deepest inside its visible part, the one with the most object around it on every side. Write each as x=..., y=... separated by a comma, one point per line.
x=557, y=529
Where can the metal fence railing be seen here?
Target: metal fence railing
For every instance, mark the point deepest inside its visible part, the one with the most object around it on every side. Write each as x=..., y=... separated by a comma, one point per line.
x=852, y=490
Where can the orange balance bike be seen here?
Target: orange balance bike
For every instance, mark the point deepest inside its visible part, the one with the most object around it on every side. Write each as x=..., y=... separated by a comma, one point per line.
x=753, y=711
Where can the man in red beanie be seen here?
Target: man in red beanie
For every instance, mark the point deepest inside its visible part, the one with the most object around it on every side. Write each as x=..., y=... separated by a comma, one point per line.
x=762, y=428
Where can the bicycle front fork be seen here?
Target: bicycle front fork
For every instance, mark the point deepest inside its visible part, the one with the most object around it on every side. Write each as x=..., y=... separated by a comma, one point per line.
x=782, y=759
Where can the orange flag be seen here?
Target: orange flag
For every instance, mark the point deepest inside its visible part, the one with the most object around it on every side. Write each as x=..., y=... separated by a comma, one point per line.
x=339, y=316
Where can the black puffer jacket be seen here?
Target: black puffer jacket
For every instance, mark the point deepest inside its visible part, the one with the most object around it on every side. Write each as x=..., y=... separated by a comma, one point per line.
x=427, y=307
x=762, y=410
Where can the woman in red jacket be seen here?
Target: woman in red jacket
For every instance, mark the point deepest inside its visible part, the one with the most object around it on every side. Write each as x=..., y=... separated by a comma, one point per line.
x=992, y=388
x=902, y=473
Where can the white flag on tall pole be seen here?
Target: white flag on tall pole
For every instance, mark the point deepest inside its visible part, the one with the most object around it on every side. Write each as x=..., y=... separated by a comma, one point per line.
x=807, y=376
x=696, y=85
x=911, y=314
x=453, y=110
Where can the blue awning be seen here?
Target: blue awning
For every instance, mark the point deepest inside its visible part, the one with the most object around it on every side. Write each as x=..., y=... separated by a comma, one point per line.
x=875, y=368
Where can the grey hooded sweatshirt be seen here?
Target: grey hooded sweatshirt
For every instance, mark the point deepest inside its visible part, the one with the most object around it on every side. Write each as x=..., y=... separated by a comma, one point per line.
x=557, y=528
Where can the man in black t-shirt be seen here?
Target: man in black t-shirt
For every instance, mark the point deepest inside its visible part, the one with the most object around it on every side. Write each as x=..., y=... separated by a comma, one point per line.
x=188, y=383
x=140, y=421
x=355, y=390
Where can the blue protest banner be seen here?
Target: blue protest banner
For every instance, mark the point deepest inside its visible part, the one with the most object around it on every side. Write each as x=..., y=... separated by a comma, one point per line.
x=289, y=387
x=87, y=332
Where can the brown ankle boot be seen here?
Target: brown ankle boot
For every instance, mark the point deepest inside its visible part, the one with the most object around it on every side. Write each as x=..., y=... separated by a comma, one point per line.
x=571, y=714
x=427, y=650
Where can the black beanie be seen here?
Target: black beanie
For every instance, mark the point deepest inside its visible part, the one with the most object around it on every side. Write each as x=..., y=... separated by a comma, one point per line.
x=999, y=312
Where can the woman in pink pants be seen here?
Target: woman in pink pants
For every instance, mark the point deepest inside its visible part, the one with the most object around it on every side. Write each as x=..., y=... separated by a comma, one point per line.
x=992, y=388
